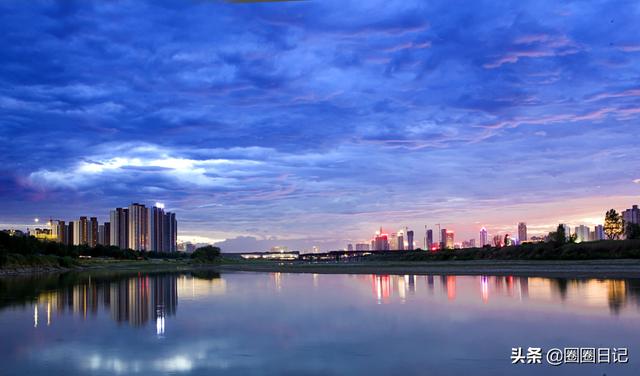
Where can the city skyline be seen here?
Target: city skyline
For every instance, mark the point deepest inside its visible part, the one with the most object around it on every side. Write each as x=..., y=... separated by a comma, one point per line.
x=289, y=123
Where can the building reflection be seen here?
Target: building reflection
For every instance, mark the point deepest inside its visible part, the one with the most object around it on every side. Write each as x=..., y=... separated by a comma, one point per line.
x=610, y=293
x=137, y=300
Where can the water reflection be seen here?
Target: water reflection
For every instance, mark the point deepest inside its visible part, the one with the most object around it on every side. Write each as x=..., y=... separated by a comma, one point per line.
x=134, y=299
x=615, y=294
x=279, y=323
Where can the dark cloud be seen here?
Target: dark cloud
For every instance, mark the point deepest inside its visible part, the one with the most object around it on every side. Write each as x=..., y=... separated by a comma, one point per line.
x=305, y=119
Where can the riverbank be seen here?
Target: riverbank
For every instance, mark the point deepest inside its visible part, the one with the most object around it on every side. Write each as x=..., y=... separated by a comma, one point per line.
x=526, y=268
x=153, y=265
x=559, y=269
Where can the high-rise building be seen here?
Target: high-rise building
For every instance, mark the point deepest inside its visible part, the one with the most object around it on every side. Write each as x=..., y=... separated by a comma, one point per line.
x=582, y=233
x=443, y=238
x=92, y=232
x=400, y=237
x=81, y=231
x=598, y=232
x=428, y=244
x=69, y=235
x=410, y=240
x=138, y=230
x=104, y=236
x=380, y=242
x=349, y=247
x=631, y=215
x=522, y=232
x=450, y=239
x=58, y=231
x=119, y=219
x=484, y=237
x=393, y=241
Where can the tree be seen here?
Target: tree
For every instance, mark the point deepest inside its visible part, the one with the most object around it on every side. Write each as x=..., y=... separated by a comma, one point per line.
x=559, y=236
x=208, y=253
x=613, y=225
x=632, y=231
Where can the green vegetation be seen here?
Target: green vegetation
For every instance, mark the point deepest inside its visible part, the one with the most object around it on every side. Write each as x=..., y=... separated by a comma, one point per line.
x=206, y=254
x=613, y=225
x=605, y=249
x=27, y=251
x=632, y=231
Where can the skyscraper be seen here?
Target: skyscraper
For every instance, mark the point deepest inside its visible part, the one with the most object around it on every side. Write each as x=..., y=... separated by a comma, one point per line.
x=484, y=237
x=598, y=232
x=582, y=233
x=410, y=240
x=119, y=219
x=69, y=233
x=450, y=239
x=138, y=230
x=443, y=238
x=631, y=215
x=58, y=230
x=380, y=242
x=429, y=240
x=400, y=245
x=81, y=231
x=92, y=232
x=393, y=240
x=522, y=232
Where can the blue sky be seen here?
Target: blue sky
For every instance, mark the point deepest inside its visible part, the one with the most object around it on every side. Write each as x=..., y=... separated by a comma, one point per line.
x=315, y=122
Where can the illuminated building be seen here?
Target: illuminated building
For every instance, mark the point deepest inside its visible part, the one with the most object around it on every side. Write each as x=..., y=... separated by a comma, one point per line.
x=567, y=230
x=428, y=244
x=484, y=237
x=410, y=240
x=400, y=243
x=138, y=231
x=582, y=233
x=443, y=238
x=92, y=232
x=81, y=231
x=42, y=234
x=522, y=232
x=278, y=255
x=280, y=249
x=449, y=239
x=58, y=232
x=380, y=242
x=393, y=240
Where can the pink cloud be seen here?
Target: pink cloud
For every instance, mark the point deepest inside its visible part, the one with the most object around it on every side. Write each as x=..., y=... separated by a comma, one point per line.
x=630, y=48
x=543, y=45
x=626, y=93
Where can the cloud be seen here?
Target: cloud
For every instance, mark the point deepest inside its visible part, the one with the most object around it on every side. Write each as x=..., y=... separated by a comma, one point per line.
x=309, y=119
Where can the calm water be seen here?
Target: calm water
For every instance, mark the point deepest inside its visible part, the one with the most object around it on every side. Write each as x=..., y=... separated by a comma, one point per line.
x=309, y=324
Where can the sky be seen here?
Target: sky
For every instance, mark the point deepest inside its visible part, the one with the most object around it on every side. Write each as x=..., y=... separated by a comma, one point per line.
x=316, y=122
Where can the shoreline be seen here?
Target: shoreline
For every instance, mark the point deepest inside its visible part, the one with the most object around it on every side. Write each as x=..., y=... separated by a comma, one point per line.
x=621, y=268
x=614, y=268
